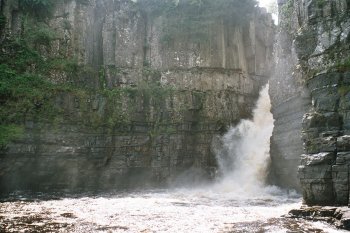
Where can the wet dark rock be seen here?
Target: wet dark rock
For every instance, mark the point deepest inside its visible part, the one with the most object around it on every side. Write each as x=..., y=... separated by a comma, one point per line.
x=68, y=215
x=338, y=216
x=313, y=67
x=317, y=159
x=166, y=133
x=305, y=42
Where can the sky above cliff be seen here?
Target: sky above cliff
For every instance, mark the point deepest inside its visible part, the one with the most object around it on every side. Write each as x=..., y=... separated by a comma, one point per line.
x=266, y=3
x=271, y=6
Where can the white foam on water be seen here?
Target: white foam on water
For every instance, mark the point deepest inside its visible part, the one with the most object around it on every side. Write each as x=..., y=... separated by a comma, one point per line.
x=244, y=156
x=239, y=202
x=180, y=210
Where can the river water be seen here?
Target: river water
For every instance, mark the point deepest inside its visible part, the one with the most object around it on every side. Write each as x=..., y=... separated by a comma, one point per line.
x=181, y=210
x=239, y=201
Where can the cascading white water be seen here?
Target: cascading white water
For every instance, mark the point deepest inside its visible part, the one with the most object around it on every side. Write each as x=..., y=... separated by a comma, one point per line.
x=239, y=203
x=244, y=156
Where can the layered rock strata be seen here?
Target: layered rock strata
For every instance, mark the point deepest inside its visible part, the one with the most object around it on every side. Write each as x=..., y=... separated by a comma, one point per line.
x=314, y=38
x=166, y=98
x=338, y=216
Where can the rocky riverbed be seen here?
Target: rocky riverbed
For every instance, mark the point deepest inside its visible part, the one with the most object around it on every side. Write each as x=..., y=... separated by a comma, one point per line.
x=338, y=216
x=210, y=209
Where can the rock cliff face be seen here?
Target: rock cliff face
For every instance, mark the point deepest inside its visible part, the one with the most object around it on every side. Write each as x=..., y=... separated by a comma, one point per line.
x=311, y=96
x=149, y=103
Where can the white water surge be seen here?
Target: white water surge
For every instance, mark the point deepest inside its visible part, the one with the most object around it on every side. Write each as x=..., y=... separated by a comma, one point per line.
x=239, y=202
x=244, y=154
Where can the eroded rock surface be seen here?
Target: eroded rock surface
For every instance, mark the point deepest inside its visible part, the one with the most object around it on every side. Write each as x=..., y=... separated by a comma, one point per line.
x=163, y=101
x=338, y=216
x=311, y=99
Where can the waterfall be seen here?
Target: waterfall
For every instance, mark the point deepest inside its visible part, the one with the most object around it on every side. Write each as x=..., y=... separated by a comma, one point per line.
x=244, y=154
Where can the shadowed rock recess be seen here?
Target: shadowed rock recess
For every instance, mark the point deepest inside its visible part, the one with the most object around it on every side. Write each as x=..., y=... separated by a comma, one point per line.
x=132, y=99
x=310, y=97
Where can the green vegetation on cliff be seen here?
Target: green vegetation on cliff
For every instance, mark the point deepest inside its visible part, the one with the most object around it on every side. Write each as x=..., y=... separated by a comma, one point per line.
x=24, y=90
x=8, y=133
x=343, y=65
x=39, y=85
x=27, y=95
x=27, y=92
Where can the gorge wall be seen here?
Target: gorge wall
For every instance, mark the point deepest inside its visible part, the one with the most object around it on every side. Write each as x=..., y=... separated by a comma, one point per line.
x=120, y=94
x=310, y=96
